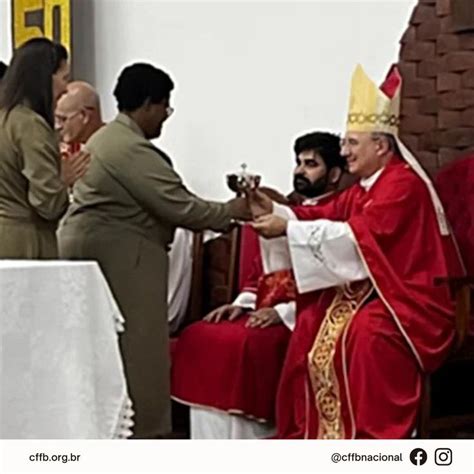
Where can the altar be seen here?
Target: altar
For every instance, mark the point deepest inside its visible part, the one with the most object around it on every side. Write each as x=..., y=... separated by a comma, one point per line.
x=61, y=371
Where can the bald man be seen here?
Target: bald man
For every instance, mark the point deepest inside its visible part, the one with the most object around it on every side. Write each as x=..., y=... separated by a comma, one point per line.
x=78, y=115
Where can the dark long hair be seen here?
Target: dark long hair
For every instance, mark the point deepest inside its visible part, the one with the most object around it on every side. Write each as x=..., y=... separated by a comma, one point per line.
x=29, y=77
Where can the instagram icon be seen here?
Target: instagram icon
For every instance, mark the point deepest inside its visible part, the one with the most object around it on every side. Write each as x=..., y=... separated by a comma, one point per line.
x=443, y=456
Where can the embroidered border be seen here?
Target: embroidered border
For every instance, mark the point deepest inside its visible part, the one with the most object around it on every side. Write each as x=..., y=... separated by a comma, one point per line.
x=384, y=119
x=323, y=376
x=315, y=242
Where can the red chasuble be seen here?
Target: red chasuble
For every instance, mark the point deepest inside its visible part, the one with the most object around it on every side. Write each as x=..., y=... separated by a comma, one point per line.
x=230, y=367
x=356, y=359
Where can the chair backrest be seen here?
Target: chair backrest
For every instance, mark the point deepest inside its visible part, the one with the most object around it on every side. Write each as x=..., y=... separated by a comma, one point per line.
x=194, y=310
x=214, y=274
x=249, y=250
x=220, y=270
x=455, y=186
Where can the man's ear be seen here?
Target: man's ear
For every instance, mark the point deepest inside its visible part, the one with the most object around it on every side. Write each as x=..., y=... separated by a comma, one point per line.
x=334, y=175
x=382, y=146
x=85, y=116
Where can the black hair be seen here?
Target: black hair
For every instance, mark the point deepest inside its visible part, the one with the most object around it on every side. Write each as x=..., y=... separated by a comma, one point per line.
x=327, y=145
x=29, y=77
x=139, y=83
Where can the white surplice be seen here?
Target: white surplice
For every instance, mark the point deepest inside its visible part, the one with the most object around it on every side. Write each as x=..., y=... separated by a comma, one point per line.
x=322, y=252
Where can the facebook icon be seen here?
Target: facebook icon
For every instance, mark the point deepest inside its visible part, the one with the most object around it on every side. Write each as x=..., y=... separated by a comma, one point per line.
x=418, y=457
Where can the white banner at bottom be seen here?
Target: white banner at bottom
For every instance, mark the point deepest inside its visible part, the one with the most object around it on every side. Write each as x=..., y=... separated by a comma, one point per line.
x=272, y=456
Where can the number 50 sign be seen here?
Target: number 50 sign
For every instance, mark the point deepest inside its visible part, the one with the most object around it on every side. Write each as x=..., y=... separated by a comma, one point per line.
x=38, y=18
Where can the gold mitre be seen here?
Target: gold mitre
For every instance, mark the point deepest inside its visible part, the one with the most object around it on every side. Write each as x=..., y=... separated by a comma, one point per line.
x=373, y=109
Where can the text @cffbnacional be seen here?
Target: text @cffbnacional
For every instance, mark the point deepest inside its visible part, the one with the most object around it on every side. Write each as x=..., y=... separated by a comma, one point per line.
x=356, y=457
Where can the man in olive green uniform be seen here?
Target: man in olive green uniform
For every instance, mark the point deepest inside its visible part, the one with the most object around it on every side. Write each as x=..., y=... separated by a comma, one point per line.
x=124, y=214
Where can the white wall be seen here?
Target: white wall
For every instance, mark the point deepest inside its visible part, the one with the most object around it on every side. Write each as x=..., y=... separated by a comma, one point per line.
x=250, y=76
x=5, y=30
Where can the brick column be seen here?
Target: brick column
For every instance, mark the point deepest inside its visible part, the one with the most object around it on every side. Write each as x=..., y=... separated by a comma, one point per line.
x=437, y=65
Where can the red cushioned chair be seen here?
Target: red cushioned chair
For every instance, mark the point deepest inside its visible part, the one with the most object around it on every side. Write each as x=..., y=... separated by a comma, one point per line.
x=448, y=401
x=249, y=249
x=212, y=282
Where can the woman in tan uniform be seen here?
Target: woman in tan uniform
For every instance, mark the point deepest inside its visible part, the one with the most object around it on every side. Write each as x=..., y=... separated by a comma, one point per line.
x=33, y=187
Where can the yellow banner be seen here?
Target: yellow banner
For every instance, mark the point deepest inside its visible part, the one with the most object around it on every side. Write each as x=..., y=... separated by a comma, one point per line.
x=38, y=18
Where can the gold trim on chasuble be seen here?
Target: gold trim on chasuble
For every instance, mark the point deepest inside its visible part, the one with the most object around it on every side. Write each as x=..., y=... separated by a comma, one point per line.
x=349, y=298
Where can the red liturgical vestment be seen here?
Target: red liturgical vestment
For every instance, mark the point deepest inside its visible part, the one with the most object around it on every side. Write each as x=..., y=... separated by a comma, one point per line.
x=358, y=353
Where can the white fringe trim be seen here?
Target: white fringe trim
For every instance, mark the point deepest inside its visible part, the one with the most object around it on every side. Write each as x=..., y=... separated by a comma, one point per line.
x=119, y=321
x=123, y=429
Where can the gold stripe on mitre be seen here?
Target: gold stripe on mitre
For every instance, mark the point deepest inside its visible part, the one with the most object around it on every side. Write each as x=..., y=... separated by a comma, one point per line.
x=370, y=109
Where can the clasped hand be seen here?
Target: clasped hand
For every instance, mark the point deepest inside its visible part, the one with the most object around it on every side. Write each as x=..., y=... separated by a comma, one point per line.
x=257, y=205
x=74, y=166
x=265, y=223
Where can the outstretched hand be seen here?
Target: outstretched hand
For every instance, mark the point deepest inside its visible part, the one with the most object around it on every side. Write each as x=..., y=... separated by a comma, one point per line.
x=258, y=202
x=270, y=226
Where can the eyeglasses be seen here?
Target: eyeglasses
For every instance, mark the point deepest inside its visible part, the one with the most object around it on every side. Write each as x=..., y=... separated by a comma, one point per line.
x=61, y=119
x=65, y=118
x=169, y=111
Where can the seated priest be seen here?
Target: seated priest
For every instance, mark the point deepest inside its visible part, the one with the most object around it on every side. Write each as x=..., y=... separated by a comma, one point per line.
x=227, y=367
x=371, y=322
